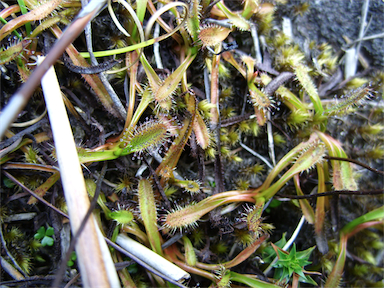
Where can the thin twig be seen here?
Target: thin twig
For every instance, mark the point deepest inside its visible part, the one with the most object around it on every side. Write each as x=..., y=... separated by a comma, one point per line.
x=235, y=119
x=332, y=193
x=276, y=82
x=171, y=241
x=13, y=179
x=355, y=162
x=30, y=122
x=19, y=135
x=371, y=37
x=96, y=69
x=10, y=148
x=34, y=281
x=254, y=153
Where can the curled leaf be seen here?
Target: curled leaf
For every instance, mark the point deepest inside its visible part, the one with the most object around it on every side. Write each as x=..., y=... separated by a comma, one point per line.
x=213, y=35
x=201, y=132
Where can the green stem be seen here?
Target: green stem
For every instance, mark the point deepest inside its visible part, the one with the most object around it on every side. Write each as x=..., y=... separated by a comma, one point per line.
x=251, y=282
x=24, y=10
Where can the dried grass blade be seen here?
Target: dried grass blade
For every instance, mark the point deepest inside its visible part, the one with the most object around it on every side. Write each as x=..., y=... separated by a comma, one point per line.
x=89, y=247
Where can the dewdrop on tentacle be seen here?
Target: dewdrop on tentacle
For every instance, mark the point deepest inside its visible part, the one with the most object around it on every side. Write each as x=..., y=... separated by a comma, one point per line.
x=189, y=185
x=212, y=35
x=182, y=218
x=255, y=221
x=13, y=51
x=353, y=98
x=147, y=136
x=260, y=100
x=311, y=155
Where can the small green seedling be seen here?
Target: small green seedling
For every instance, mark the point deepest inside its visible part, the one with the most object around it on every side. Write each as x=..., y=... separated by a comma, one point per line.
x=72, y=259
x=269, y=253
x=8, y=183
x=121, y=216
x=45, y=236
x=292, y=263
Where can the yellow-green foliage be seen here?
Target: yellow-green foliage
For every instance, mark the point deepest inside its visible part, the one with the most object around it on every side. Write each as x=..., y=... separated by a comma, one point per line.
x=31, y=156
x=326, y=61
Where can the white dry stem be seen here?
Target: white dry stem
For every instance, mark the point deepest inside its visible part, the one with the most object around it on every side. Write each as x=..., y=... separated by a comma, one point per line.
x=156, y=45
x=10, y=112
x=92, y=263
x=362, y=28
x=207, y=84
x=254, y=153
x=352, y=54
x=350, y=63
x=20, y=217
x=271, y=146
x=65, y=239
x=256, y=44
x=287, y=27
x=10, y=270
x=152, y=259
